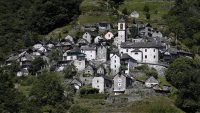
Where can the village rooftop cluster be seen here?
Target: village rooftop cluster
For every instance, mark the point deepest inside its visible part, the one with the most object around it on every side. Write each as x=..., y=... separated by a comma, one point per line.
x=107, y=62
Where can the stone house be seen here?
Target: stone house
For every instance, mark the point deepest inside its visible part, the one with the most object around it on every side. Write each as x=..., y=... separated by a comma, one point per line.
x=26, y=60
x=102, y=53
x=115, y=63
x=103, y=26
x=82, y=42
x=89, y=51
x=86, y=81
x=157, y=34
x=79, y=64
x=89, y=70
x=87, y=37
x=101, y=70
x=76, y=83
x=151, y=82
x=127, y=63
x=70, y=38
x=73, y=54
x=135, y=14
x=98, y=39
x=102, y=83
x=121, y=83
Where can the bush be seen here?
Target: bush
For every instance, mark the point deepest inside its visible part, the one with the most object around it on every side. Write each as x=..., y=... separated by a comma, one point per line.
x=152, y=72
x=78, y=109
x=95, y=96
x=88, y=90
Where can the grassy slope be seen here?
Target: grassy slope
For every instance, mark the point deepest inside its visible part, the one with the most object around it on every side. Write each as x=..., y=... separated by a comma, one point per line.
x=162, y=8
x=147, y=105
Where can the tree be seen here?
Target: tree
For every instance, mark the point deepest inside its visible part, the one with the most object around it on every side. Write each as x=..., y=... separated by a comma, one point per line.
x=55, y=55
x=148, y=16
x=70, y=71
x=37, y=65
x=78, y=109
x=10, y=98
x=48, y=94
x=146, y=9
x=184, y=74
x=124, y=11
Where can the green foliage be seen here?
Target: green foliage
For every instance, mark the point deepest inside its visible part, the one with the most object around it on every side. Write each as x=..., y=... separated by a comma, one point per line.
x=23, y=23
x=55, y=55
x=183, y=21
x=154, y=105
x=148, y=16
x=94, y=96
x=148, y=71
x=88, y=90
x=70, y=71
x=78, y=109
x=48, y=94
x=37, y=65
x=124, y=11
x=184, y=74
x=146, y=9
x=10, y=99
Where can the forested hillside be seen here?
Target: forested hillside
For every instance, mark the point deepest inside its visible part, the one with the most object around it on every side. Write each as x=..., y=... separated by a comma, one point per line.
x=184, y=21
x=23, y=21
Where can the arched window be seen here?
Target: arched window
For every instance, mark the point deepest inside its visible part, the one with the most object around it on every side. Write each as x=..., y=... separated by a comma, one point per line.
x=121, y=26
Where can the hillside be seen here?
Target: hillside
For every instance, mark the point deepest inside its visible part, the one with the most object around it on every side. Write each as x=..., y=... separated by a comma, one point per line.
x=94, y=11
x=147, y=105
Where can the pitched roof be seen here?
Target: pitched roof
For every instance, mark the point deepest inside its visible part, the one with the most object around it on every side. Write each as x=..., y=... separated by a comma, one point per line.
x=140, y=45
x=127, y=57
x=88, y=48
x=152, y=80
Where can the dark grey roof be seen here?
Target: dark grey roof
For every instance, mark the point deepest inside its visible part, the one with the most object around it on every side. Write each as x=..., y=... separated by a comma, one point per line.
x=88, y=48
x=140, y=45
x=121, y=20
x=127, y=57
x=152, y=80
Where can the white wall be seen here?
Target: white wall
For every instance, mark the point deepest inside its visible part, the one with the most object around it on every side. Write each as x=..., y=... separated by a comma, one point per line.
x=149, y=55
x=114, y=63
x=98, y=82
x=90, y=54
x=87, y=36
x=80, y=64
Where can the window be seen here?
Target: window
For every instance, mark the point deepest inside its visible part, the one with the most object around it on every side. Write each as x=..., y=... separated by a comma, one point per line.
x=97, y=86
x=119, y=84
x=115, y=56
x=154, y=50
x=145, y=50
x=136, y=53
x=97, y=81
x=115, y=61
x=121, y=26
x=126, y=50
x=119, y=80
x=154, y=56
x=115, y=66
x=145, y=56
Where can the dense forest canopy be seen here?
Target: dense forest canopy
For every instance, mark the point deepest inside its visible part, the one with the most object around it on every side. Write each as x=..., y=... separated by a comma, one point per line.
x=23, y=21
x=184, y=20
